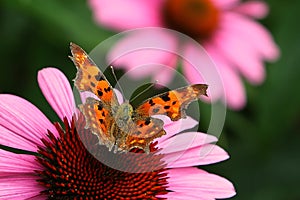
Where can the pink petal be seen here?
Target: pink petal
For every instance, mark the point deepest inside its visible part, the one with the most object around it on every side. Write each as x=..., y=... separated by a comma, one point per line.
x=192, y=73
x=201, y=155
x=194, y=77
x=11, y=139
x=159, y=73
x=84, y=95
x=182, y=195
x=235, y=95
x=144, y=52
x=241, y=54
x=22, y=124
x=119, y=96
x=184, y=141
x=199, y=182
x=254, y=33
x=235, y=91
x=57, y=90
x=200, y=68
x=256, y=9
x=165, y=75
x=225, y=4
x=121, y=15
x=17, y=163
x=174, y=127
x=19, y=186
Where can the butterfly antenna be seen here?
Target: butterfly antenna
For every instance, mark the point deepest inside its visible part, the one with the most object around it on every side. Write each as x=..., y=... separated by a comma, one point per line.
x=150, y=86
x=115, y=77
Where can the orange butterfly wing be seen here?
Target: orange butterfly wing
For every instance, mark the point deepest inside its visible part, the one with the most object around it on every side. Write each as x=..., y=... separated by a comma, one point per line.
x=98, y=114
x=90, y=78
x=142, y=133
x=99, y=120
x=172, y=103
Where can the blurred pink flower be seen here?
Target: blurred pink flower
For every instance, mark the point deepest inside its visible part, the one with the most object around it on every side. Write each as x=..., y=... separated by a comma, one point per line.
x=225, y=28
x=60, y=167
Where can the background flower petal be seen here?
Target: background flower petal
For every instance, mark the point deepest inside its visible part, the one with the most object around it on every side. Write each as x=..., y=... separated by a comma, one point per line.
x=198, y=67
x=121, y=15
x=256, y=9
x=254, y=33
x=241, y=54
x=58, y=92
x=234, y=96
x=144, y=53
x=235, y=91
x=225, y=4
x=23, y=122
x=165, y=74
x=194, y=77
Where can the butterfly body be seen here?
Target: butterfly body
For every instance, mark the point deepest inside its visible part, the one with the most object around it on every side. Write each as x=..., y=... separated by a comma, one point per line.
x=120, y=126
x=123, y=116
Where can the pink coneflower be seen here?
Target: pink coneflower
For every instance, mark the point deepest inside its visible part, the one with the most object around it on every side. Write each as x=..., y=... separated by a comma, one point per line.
x=225, y=28
x=60, y=167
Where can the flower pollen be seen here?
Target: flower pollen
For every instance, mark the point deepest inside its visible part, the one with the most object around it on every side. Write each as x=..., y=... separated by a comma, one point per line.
x=72, y=172
x=196, y=18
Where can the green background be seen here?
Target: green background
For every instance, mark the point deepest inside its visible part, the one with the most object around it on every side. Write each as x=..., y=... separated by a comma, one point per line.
x=263, y=139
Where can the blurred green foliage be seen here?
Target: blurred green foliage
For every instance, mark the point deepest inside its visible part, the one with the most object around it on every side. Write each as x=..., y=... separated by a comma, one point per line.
x=263, y=139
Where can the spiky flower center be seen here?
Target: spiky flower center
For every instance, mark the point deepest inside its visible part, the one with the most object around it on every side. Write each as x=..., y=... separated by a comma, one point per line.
x=196, y=18
x=72, y=172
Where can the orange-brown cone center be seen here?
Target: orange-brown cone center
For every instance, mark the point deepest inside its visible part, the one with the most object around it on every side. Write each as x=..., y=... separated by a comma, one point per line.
x=71, y=172
x=196, y=18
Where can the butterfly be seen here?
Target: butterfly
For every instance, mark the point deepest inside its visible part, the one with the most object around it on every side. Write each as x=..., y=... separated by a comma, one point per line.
x=120, y=126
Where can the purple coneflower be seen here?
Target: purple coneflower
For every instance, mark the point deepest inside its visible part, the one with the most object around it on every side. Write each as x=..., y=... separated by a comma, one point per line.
x=60, y=167
x=227, y=30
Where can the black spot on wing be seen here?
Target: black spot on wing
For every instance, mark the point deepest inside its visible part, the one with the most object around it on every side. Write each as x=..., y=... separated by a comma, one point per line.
x=101, y=121
x=147, y=122
x=167, y=107
x=174, y=102
x=100, y=93
x=165, y=97
x=107, y=89
x=151, y=102
x=100, y=107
